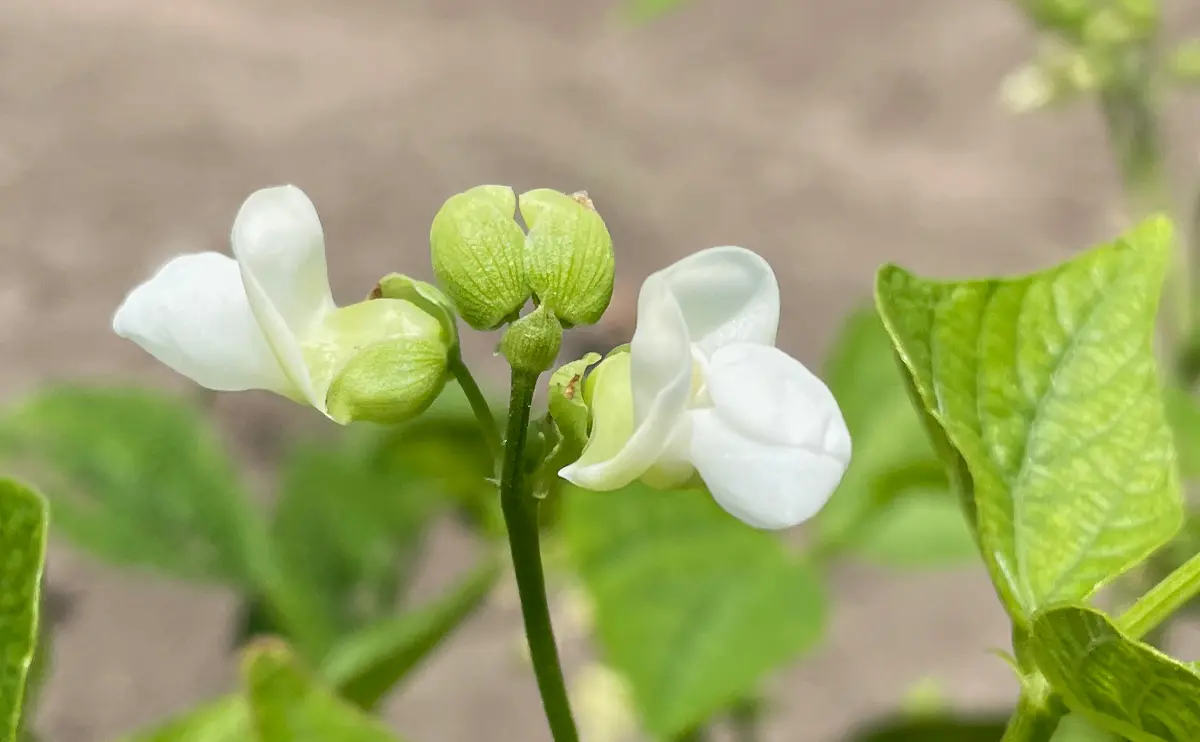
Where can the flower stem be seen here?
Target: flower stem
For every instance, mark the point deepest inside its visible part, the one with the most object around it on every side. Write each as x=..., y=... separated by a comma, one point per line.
x=520, y=515
x=479, y=406
x=1163, y=600
x=1030, y=722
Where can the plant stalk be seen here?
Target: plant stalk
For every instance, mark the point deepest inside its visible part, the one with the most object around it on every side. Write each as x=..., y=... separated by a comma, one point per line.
x=1162, y=600
x=1030, y=722
x=479, y=406
x=520, y=515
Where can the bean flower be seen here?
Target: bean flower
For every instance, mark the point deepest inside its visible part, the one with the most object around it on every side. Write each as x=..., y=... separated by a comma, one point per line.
x=266, y=319
x=702, y=393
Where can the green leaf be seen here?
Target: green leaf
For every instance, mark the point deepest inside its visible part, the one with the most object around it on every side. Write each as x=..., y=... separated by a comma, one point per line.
x=23, y=520
x=1044, y=391
x=1183, y=413
x=137, y=478
x=365, y=667
x=1119, y=684
x=288, y=705
x=223, y=720
x=445, y=451
x=879, y=510
x=691, y=606
x=348, y=529
x=917, y=529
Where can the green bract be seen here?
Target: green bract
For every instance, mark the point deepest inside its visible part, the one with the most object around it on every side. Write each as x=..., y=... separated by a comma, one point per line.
x=476, y=247
x=388, y=360
x=568, y=255
x=1042, y=394
x=567, y=406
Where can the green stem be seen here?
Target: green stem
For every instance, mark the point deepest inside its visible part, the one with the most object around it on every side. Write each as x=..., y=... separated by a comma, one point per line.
x=479, y=406
x=520, y=515
x=1030, y=722
x=1163, y=600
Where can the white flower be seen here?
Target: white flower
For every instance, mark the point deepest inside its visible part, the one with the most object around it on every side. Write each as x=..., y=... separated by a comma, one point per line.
x=703, y=390
x=267, y=320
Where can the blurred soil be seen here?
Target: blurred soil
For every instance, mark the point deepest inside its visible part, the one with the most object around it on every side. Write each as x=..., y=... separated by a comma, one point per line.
x=829, y=135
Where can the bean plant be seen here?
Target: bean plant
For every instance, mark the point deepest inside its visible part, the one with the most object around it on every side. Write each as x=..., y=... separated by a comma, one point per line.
x=1043, y=425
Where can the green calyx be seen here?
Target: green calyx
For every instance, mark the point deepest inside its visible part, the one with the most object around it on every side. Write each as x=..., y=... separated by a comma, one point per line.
x=382, y=360
x=531, y=344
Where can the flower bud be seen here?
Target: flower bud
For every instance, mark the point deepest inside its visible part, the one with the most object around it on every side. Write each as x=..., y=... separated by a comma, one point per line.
x=568, y=255
x=476, y=249
x=531, y=343
x=383, y=360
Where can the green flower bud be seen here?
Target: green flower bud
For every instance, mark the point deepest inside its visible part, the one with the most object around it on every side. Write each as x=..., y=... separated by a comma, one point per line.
x=531, y=343
x=568, y=255
x=476, y=248
x=383, y=361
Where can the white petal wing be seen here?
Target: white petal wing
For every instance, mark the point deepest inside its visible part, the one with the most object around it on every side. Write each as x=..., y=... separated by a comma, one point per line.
x=193, y=316
x=726, y=294
x=280, y=245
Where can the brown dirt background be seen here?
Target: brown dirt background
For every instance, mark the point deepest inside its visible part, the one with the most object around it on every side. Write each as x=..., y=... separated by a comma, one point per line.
x=830, y=135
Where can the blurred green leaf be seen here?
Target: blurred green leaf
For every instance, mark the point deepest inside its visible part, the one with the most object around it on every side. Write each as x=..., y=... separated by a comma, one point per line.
x=367, y=666
x=880, y=510
x=1183, y=63
x=138, y=478
x=645, y=11
x=288, y=705
x=445, y=450
x=1119, y=684
x=23, y=520
x=348, y=529
x=935, y=729
x=1183, y=413
x=226, y=719
x=693, y=607
x=1012, y=370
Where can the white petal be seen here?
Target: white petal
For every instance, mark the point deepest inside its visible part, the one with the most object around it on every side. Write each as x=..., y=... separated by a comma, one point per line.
x=726, y=294
x=618, y=450
x=768, y=487
x=194, y=317
x=660, y=354
x=280, y=246
x=770, y=397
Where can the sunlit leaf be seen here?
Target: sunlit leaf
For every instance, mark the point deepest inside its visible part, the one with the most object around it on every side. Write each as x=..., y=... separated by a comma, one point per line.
x=1119, y=684
x=22, y=557
x=693, y=607
x=1044, y=394
x=368, y=665
x=137, y=478
x=288, y=705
